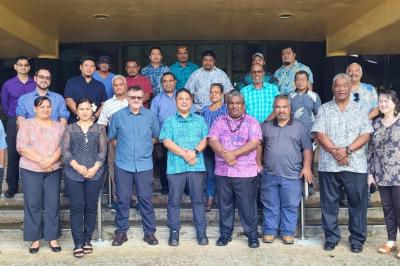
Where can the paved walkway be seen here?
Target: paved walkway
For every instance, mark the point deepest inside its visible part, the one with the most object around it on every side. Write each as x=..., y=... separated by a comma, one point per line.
x=135, y=252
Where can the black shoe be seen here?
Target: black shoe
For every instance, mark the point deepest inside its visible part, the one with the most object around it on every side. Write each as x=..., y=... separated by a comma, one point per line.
x=202, y=239
x=223, y=240
x=164, y=191
x=253, y=242
x=150, y=239
x=120, y=238
x=134, y=204
x=356, y=249
x=34, y=250
x=329, y=246
x=10, y=194
x=55, y=249
x=173, y=238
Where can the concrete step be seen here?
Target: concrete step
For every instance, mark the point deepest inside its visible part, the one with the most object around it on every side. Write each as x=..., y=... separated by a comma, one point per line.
x=312, y=216
x=188, y=233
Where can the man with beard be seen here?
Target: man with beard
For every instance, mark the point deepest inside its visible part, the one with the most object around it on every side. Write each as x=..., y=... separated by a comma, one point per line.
x=290, y=66
x=234, y=138
x=287, y=160
x=85, y=86
x=363, y=93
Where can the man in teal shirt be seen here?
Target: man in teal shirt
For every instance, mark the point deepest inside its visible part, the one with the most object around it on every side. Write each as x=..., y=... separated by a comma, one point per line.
x=182, y=68
x=185, y=137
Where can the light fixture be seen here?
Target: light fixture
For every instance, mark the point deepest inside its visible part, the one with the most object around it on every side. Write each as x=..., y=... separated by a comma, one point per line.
x=285, y=15
x=101, y=16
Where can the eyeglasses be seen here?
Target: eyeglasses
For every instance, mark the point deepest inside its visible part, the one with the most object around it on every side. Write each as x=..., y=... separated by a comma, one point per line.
x=44, y=77
x=356, y=97
x=135, y=97
x=23, y=65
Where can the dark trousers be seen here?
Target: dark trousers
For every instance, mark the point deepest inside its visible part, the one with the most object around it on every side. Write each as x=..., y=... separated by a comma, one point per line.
x=144, y=186
x=163, y=168
x=41, y=193
x=390, y=197
x=356, y=187
x=12, y=155
x=83, y=197
x=240, y=191
x=177, y=182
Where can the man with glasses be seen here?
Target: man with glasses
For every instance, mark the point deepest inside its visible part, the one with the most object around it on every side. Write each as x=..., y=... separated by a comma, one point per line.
x=363, y=93
x=12, y=90
x=25, y=109
x=133, y=130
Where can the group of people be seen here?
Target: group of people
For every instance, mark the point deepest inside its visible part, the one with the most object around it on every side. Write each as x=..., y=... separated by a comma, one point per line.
x=207, y=138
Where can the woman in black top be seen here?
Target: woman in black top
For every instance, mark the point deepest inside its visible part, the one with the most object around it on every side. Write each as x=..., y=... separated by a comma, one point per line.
x=84, y=148
x=384, y=164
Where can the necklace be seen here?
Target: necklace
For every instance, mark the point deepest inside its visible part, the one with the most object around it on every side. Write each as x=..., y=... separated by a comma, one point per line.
x=228, y=122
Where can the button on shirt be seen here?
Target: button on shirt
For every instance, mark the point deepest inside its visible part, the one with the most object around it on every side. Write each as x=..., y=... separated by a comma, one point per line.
x=182, y=73
x=367, y=95
x=77, y=88
x=286, y=75
x=107, y=82
x=259, y=102
x=110, y=107
x=11, y=91
x=134, y=134
x=199, y=85
x=187, y=133
x=155, y=74
x=283, y=148
x=58, y=107
x=342, y=128
x=249, y=130
x=163, y=106
x=305, y=107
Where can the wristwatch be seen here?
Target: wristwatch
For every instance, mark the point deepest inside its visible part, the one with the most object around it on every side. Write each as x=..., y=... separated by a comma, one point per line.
x=348, y=151
x=196, y=151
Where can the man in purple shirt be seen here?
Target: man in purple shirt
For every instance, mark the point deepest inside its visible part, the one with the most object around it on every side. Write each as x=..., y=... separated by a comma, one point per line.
x=234, y=138
x=12, y=90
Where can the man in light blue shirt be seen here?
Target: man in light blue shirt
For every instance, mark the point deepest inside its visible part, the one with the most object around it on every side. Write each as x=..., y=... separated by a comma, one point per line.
x=155, y=69
x=25, y=109
x=290, y=66
x=200, y=81
x=182, y=68
x=134, y=129
x=104, y=75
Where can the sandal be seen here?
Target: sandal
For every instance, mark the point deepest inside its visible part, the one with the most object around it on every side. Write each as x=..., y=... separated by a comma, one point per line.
x=385, y=249
x=208, y=205
x=78, y=253
x=87, y=248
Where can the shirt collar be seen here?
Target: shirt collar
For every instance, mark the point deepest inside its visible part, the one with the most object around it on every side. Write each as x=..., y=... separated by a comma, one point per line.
x=36, y=92
x=139, y=113
x=166, y=95
x=275, y=122
x=300, y=92
x=214, y=68
x=236, y=119
x=181, y=118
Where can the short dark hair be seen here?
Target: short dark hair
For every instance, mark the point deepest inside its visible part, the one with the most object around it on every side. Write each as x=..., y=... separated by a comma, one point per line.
x=39, y=100
x=302, y=72
x=281, y=97
x=87, y=58
x=155, y=48
x=289, y=47
x=21, y=57
x=392, y=94
x=42, y=68
x=169, y=73
x=133, y=60
x=219, y=85
x=208, y=53
x=83, y=100
x=181, y=91
x=135, y=88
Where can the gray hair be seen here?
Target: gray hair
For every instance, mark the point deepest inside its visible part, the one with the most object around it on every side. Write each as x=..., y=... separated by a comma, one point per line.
x=354, y=63
x=234, y=93
x=119, y=77
x=341, y=76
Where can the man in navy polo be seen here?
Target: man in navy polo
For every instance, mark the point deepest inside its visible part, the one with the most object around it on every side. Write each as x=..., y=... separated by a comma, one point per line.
x=12, y=90
x=85, y=86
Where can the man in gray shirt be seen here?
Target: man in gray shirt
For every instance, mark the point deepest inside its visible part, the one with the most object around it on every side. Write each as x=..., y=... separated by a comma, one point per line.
x=287, y=159
x=342, y=129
